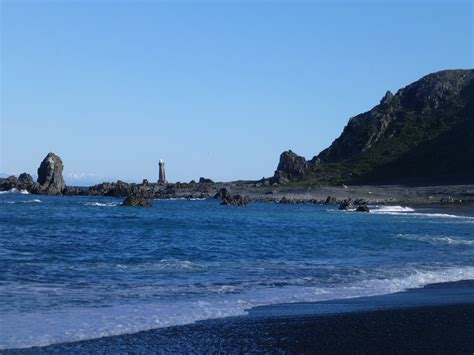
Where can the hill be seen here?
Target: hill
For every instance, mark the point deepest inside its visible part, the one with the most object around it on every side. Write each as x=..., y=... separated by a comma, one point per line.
x=423, y=133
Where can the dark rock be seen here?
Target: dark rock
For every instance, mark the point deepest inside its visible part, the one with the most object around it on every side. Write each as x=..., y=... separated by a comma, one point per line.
x=205, y=181
x=50, y=176
x=360, y=202
x=9, y=183
x=346, y=205
x=133, y=201
x=291, y=167
x=330, y=201
x=145, y=182
x=363, y=208
x=12, y=180
x=290, y=201
x=231, y=200
x=236, y=200
x=223, y=194
x=25, y=179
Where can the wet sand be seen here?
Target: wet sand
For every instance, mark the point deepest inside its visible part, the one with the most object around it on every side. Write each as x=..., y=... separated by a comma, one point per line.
x=436, y=319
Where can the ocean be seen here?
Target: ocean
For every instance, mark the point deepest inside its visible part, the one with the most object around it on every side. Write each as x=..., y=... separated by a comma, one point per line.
x=74, y=268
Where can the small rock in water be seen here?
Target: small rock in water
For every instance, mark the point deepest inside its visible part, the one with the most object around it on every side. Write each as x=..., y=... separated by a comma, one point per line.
x=363, y=208
x=231, y=200
x=132, y=201
x=236, y=200
x=346, y=205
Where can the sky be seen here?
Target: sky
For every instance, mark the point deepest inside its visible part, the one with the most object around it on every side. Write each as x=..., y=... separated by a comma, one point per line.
x=217, y=89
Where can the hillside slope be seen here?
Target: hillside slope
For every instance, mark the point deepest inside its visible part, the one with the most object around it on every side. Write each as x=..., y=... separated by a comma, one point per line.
x=425, y=132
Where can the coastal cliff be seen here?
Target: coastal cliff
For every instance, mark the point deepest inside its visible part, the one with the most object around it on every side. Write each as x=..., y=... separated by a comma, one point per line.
x=424, y=132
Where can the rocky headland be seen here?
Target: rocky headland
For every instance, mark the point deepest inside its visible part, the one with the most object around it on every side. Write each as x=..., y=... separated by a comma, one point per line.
x=423, y=134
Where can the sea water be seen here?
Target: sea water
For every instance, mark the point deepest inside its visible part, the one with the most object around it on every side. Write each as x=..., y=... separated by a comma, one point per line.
x=74, y=268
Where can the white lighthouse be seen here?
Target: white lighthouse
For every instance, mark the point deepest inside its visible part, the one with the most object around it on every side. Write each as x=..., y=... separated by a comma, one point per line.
x=162, y=173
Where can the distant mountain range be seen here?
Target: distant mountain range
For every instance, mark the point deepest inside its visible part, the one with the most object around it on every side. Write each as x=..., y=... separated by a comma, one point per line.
x=423, y=133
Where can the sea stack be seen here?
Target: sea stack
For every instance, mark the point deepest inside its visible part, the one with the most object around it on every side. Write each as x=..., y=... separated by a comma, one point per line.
x=50, y=176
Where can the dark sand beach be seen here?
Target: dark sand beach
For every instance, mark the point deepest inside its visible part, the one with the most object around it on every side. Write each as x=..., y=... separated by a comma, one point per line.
x=436, y=319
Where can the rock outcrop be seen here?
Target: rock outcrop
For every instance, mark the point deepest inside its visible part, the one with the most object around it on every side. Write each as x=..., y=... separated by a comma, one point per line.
x=25, y=179
x=203, y=180
x=347, y=205
x=50, y=176
x=363, y=208
x=223, y=193
x=291, y=167
x=231, y=200
x=8, y=183
x=133, y=201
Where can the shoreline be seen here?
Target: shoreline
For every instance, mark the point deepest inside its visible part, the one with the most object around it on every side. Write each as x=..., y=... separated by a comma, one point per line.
x=435, y=318
x=449, y=196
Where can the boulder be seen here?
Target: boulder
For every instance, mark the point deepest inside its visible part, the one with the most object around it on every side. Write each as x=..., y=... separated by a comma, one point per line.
x=346, y=205
x=363, y=208
x=25, y=179
x=223, y=194
x=50, y=176
x=231, y=200
x=8, y=183
x=133, y=201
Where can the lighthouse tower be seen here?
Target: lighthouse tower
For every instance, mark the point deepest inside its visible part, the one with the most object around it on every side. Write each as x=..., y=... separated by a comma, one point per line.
x=162, y=175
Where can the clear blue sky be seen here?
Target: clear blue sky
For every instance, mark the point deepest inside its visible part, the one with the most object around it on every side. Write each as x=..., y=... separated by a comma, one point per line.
x=216, y=89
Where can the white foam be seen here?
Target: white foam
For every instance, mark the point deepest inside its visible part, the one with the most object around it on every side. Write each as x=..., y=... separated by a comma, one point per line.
x=436, y=239
x=15, y=191
x=102, y=204
x=408, y=211
x=391, y=209
x=21, y=330
x=28, y=201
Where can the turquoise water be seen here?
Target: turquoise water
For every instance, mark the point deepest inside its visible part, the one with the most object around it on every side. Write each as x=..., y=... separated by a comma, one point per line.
x=79, y=268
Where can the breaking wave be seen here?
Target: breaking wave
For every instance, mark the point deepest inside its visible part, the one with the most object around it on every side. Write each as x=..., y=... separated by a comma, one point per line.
x=408, y=211
x=28, y=201
x=391, y=209
x=102, y=204
x=436, y=239
x=15, y=191
x=25, y=330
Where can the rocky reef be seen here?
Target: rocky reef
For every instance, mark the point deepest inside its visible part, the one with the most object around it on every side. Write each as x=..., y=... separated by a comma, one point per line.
x=231, y=200
x=133, y=201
